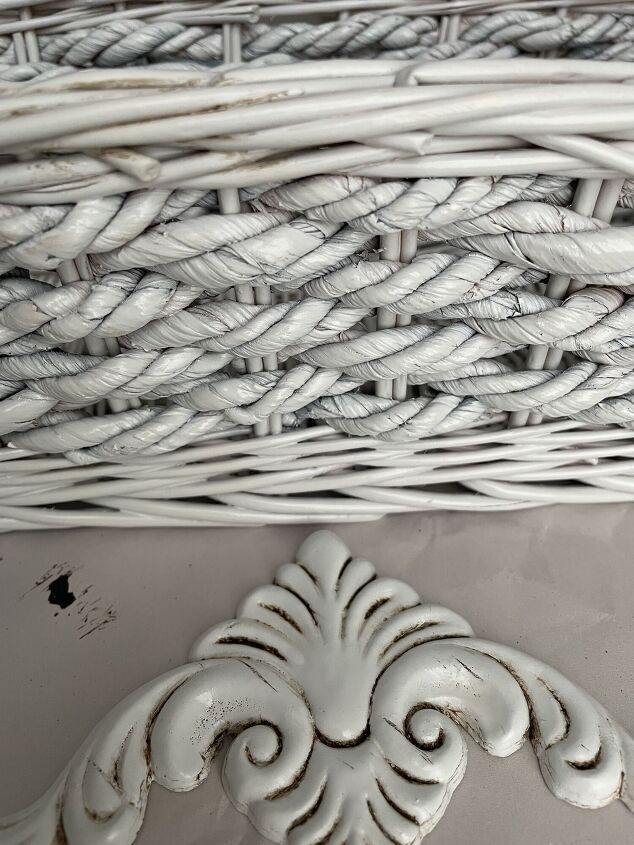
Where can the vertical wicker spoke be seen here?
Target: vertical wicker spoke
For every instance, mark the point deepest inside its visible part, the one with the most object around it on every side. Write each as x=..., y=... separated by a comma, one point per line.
x=452, y=28
x=230, y=204
x=30, y=39
x=593, y=198
x=409, y=246
x=27, y=50
x=557, y=287
x=402, y=246
x=390, y=246
x=72, y=271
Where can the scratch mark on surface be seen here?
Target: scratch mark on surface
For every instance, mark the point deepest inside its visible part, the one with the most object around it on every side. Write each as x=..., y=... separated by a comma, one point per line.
x=109, y=616
x=51, y=573
x=255, y=672
x=469, y=669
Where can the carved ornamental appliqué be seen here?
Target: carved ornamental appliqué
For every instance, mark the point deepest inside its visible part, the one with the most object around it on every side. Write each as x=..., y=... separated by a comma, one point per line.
x=343, y=699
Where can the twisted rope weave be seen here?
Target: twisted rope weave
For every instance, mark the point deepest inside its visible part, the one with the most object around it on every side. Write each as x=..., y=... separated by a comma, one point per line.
x=484, y=307
x=369, y=34
x=379, y=222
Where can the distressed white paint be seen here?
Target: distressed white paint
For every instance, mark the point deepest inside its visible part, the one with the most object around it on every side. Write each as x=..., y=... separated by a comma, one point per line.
x=344, y=696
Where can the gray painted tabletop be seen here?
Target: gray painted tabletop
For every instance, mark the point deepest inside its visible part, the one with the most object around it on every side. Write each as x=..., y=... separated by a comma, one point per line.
x=87, y=616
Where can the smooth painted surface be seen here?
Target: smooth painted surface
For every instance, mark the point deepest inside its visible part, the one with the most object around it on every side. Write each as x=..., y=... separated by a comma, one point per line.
x=555, y=583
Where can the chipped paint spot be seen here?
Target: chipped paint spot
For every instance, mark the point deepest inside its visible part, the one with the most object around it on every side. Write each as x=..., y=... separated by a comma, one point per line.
x=83, y=604
x=59, y=592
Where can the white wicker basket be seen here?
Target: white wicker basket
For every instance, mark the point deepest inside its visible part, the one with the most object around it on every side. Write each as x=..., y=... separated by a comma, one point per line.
x=295, y=262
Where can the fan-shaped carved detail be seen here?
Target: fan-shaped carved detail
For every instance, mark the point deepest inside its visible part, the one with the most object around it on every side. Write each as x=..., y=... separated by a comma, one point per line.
x=344, y=698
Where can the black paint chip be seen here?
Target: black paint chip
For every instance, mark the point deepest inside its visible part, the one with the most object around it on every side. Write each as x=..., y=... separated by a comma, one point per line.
x=59, y=592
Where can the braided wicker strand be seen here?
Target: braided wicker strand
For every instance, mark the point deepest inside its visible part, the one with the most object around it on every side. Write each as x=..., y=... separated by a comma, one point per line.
x=369, y=34
x=258, y=256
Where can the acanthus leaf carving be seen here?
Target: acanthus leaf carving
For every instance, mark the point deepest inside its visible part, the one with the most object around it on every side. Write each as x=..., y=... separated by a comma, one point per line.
x=344, y=699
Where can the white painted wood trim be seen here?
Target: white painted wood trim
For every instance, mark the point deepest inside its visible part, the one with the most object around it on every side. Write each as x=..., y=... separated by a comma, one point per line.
x=344, y=697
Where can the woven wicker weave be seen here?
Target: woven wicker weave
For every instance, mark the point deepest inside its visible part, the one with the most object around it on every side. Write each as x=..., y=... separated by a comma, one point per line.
x=313, y=261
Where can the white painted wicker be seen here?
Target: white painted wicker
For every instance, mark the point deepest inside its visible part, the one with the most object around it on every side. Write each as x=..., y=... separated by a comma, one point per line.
x=296, y=262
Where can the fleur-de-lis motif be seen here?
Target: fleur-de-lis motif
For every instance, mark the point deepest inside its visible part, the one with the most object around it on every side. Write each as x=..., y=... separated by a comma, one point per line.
x=345, y=697
x=332, y=627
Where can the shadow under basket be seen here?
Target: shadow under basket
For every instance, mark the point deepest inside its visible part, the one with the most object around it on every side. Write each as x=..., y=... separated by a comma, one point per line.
x=306, y=262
